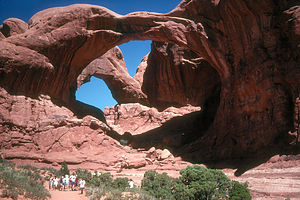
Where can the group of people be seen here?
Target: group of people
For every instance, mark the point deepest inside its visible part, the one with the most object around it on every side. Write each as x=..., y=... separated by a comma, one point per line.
x=66, y=183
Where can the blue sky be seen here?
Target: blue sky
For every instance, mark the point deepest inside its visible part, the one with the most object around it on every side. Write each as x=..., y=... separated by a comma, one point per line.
x=95, y=92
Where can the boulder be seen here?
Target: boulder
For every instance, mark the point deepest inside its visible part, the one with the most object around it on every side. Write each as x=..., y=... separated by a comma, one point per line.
x=13, y=26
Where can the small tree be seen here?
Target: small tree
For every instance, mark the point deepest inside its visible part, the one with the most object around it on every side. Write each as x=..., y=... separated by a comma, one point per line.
x=202, y=183
x=239, y=191
x=158, y=185
x=64, y=170
x=83, y=174
x=120, y=183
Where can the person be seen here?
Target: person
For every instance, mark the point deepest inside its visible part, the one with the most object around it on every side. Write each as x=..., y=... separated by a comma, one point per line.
x=66, y=181
x=55, y=183
x=76, y=183
x=131, y=184
x=63, y=183
x=51, y=183
x=81, y=185
x=73, y=181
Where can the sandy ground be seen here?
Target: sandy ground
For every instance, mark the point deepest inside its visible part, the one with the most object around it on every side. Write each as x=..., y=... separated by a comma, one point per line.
x=66, y=195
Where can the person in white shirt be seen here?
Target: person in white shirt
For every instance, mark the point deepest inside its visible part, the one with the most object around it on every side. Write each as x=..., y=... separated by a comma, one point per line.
x=55, y=183
x=81, y=185
x=67, y=181
x=73, y=179
x=131, y=184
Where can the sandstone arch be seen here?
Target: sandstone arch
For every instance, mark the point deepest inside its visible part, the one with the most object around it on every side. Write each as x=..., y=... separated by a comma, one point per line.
x=253, y=45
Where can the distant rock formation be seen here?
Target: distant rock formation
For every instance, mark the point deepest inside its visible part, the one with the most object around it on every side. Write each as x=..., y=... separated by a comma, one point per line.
x=112, y=69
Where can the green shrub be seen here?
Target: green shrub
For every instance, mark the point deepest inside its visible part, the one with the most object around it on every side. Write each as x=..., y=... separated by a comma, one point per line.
x=83, y=174
x=158, y=185
x=202, y=183
x=21, y=181
x=103, y=180
x=195, y=183
x=120, y=183
x=239, y=191
x=64, y=170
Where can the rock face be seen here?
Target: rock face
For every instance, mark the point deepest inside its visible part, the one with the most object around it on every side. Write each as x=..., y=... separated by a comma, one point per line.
x=137, y=119
x=253, y=48
x=37, y=130
x=13, y=26
x=176, y=76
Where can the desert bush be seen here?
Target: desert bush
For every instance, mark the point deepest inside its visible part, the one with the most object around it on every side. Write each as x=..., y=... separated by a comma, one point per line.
x=83, y=174
x=64, y=170
x=113, y=194
x=195, y=183
x=202, y=183
x=158, y=185
x=95, y=193
x=102, y=180
x=239, y=191
x=21, y=181
x=120, y=183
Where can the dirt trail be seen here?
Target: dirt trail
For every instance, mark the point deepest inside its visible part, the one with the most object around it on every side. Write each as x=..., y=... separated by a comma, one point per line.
x=66, y=195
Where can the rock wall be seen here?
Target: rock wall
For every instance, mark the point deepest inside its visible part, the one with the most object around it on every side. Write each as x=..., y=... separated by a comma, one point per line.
x=176, y=76
x=138, y=119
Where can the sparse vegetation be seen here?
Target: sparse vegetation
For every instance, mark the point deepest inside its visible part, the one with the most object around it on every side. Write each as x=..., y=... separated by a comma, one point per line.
x=21, y=180
x=195, y=183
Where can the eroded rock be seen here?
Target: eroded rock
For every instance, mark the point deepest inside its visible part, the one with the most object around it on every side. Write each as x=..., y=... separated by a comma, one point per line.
x=137, y=119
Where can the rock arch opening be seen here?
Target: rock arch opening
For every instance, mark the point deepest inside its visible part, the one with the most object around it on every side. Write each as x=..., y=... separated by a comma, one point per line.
x=95, y=93
x=170, y=77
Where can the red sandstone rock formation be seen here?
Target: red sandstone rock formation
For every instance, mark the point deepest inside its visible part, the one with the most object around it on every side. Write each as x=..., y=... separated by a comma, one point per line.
x=13, y=26
x=253, y=46
x=112, y=69
x=137, y=119
x=176, y=76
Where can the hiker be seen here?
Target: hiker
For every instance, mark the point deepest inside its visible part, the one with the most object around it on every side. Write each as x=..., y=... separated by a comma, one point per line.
x=73, y=181
x=81, y=185
x=131, y=184
x=62, y=183
x=51, y=183
x=55, y=183
x=66, y=181
x=76, y=183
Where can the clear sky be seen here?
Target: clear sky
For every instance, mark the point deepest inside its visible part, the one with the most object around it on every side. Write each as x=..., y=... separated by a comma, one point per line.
x=95, y=92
